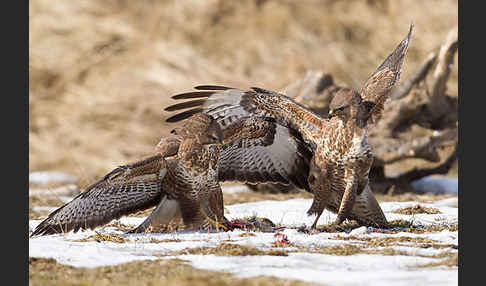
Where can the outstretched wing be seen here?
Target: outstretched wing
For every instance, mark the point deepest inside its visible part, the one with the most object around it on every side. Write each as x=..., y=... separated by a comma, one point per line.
x=125, y=190
x=258, y=150
x=376, y=89
x=226, y=105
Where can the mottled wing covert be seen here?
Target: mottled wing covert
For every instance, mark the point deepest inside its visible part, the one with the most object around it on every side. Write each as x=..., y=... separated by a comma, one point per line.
x=376, y=89
x=227, y=105
x=125, y=190
x=258, y=150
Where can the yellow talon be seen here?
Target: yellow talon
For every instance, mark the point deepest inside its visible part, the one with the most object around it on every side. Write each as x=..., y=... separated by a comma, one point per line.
x=216, y=224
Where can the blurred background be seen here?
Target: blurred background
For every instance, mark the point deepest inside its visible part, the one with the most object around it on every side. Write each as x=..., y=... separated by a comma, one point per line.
x=101, y=72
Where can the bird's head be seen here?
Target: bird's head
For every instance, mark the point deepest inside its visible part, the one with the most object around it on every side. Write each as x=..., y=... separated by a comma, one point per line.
x=345, y=104
x=201, y=127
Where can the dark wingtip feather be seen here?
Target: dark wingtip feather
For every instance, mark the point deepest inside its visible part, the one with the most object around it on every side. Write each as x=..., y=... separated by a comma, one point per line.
x=403, y=46
x=211, y=87
x=411, y=29
x=405, y=42
x=47, y=230
x=395, y=59
x=46, y=227
x=193, y=94
x=260, y=90
x=184, y=105
x=183, y=115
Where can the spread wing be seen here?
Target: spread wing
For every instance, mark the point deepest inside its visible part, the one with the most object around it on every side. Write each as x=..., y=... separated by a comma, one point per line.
x=377, y=88
x=125, y=190
x=226, y=105
x=258, y=150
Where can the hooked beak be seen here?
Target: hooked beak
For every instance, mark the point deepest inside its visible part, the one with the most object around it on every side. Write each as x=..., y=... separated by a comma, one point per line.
x=331, y=113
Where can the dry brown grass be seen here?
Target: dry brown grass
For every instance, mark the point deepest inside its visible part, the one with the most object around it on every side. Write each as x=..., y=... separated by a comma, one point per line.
x=416, y=209
x=100, y=72
x=373, y=242
x=405, y=197
x=99, y=237
x=448, y=259
x=229, y=249
x=170, y=272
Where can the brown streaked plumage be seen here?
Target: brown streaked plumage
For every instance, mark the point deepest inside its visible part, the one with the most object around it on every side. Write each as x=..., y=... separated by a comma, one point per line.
x=338, y=171
x=183, y=179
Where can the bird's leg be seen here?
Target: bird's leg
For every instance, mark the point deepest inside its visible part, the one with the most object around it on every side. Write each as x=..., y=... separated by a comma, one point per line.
x=216, y=224
x=314, y=225
x=349, y=197
x=210, y=217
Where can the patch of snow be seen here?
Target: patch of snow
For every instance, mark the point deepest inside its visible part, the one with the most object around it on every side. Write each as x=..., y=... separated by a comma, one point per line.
x=357, y=269
x=362, y=269
x=69, y=190
x=231, y=189
x=416, y=251
x=359, y=231
x=65, y=199
x=45, y=177
x=44, y=209
x=289, y=213
x=448, y=214
x=292, y=213
x=437, y=185
x=450, y=202
x=86, y=254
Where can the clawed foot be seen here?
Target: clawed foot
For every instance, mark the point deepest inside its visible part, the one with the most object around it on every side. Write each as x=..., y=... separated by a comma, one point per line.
x=217, y=225
x=333, y=227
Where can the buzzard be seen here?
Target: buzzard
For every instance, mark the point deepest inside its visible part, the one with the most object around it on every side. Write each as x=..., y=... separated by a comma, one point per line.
x=342, y=157
x=182, y=180
x=175, y=182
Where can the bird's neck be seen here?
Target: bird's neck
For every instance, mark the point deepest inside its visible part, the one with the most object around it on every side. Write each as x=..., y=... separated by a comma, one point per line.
x=348, y=130
x=356, y=126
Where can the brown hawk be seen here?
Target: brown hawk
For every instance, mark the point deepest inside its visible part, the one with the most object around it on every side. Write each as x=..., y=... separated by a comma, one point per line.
x=183, y=179
x=342, y=157
x=177, y=185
